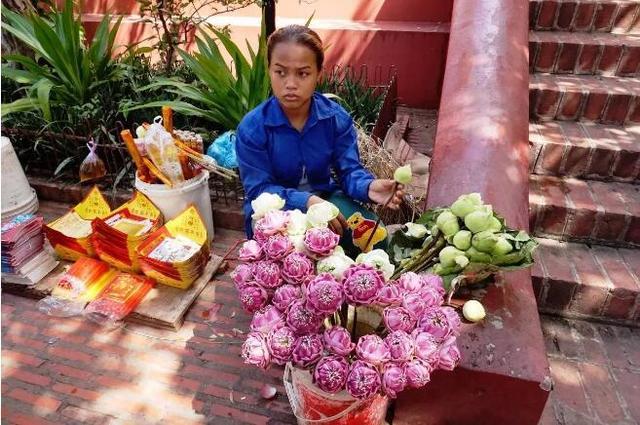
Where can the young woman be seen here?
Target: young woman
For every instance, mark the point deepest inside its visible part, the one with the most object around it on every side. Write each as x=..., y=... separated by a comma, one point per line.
x=289, y=144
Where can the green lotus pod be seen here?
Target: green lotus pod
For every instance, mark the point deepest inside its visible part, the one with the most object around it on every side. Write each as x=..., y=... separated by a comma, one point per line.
x=448, y=223
x=484, y=241
x=508, y=259
x=441, y=270
x=477, y=257
x=403, y=174
x=448, y=255
x=478, y=220
x=501, y=247
x=495, y=226
x=466, y=204
x=462, y=240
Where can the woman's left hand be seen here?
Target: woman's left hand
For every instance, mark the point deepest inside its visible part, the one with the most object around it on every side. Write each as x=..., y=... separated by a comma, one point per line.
x=382, y=191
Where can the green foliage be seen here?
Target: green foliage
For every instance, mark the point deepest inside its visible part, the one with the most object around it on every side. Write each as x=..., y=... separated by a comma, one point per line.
x=353, y=93
x=64, y=70
x=222, y=95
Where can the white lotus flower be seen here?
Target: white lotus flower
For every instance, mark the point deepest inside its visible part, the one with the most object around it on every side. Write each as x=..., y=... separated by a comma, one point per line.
x=320, y=214
x=379, y=259
x=264, y=203
x=336, y=264
x=297, y=223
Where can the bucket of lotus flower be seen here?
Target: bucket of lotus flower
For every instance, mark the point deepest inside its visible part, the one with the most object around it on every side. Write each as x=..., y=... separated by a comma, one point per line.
x=17, y=196
x=312, y=406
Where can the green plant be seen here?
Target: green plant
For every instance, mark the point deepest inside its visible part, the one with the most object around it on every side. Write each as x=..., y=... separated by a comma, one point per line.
x=221, y=95
x=64, y=69
x=353, y=93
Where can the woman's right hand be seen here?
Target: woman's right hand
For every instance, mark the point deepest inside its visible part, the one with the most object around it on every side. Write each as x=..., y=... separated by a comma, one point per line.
x=338, y=224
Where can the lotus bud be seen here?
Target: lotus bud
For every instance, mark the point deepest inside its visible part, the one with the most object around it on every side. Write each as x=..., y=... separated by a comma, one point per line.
x=448, y=255
x=477, y=257
x=448, y=223
x=473, y=311
x=402, y=174
x=495, y=226
x=484, y=241
x=441, y=270
x=462, y=261
x=466, y=204
x=462, y=240
x=478, y=220
x=501, y=247
x=417, y=231
x=507, y=259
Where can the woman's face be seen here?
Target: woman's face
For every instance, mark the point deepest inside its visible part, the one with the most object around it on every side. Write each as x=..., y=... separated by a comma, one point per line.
x=294, y=74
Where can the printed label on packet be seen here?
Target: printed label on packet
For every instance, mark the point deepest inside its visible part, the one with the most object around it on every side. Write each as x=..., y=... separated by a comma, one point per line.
x=72, y=225
x=189, y=224
x=93, y=206
x=176, y=249
x=141, y=206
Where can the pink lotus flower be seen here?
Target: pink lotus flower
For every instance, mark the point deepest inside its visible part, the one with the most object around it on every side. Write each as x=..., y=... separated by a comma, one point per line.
x=362, y=283
x=371, y=348
x=410, y=282
x=434, y=282
x=401, y=346
x=259, y=234
x=417, y=373
x=277, y=247
x=398, y=319
x=338, y=341
x=321, y=241
x=285, y=295
x=307, y=350
x=242, y=275
x=297, y=268
x=252, y=298
x=281, y=342
x=436, y=322
x=390, y=294
x=363, y=380
x=255, y=350
x=325, y=294
x=453, y=318
x=331, y=373
x=250, y=251
x=393, y=379
x=431, y=296
x=302, y=320
x=267, y=319
x=449, y=355
x=427, y=348
x=273, y=222
x=415, y=304
x=267, y=274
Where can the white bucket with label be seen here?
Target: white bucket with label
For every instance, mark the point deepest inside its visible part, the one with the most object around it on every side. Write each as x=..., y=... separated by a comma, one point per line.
x=172, y=201
x=17, y=196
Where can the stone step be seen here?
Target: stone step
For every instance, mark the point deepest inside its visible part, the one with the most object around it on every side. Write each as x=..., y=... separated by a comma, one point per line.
x=596, y=282
x=618, y=16
x=585, y=150
x=609, y=100
x=585, y=210
x=564, y=52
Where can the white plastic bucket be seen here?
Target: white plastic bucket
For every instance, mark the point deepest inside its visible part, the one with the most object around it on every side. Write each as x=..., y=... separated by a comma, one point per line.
x=172, y=201
x=17, y=196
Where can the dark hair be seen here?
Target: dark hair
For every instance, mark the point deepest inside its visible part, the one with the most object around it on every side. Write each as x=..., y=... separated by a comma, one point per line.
x=297, y=34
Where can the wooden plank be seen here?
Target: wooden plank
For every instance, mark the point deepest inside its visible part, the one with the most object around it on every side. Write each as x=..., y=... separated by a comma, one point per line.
x=165, y=306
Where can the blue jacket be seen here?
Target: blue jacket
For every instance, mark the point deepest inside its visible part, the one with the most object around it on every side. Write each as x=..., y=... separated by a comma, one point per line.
x=272, y=155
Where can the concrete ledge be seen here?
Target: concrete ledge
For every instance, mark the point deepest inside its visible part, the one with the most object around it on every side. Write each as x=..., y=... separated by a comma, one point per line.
x=482, y=146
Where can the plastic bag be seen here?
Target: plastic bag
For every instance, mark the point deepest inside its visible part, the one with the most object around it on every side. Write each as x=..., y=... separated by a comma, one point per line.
x=223, y=150
x=92, y=166
x=163, y=151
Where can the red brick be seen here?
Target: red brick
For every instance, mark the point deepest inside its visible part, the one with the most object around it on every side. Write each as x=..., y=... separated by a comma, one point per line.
x=584, y=16
x=43, y=404
x=586, y=61
x=609, y=59
x=548, y=414
x=204, y=374
x=633, y=232
x=25, y=376
x=625, y=289
x=570, y=105
x=591, y=295
x=629, y=62
x=551, y=158
x=83, y=415
x=238, y=415
x=604, y=16
x=626, y=164
x=617, y=109
x=548, y=101
x=26, y=342
x=565, y=15
x=534, y=6
x=568, y=388
x=625, y=17
x=76, y=391
x=546, y=56
x=68, y=337
x=559, y=273
x=583, y=215
x=547, y=14
x=594, y=106
x=72, y=354
x=17, y=357
x=629, y=387
x=567, y=57
x=634, y=114
x=602, y=393
x=70, y=371
x=109, y=381
x=612, y=222
x=19, y=418
x=615, y=350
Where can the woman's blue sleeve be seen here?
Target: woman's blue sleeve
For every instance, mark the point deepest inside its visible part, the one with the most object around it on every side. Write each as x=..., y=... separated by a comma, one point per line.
x=354, y=178
x=257, y=173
